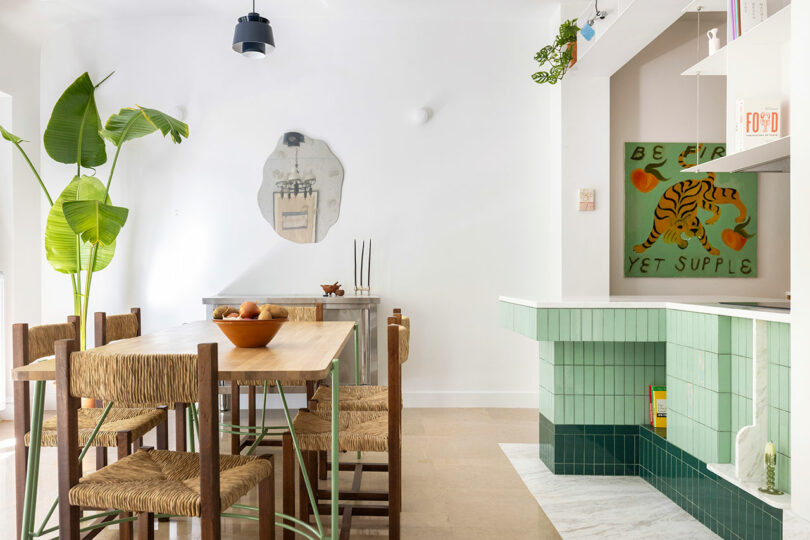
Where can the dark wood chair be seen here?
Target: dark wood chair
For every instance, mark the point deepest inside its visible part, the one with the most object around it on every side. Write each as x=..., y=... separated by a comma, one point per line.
x=361, y=431
x=150, y=482
x=122, y=428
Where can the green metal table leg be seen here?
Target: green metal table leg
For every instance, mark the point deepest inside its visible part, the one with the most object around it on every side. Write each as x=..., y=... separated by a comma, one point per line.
x=32, y=472
x=300, y=458
x=190, y=424
x=335, y=445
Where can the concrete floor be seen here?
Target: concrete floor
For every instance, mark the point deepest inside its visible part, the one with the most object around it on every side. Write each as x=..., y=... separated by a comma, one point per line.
x=457, y=482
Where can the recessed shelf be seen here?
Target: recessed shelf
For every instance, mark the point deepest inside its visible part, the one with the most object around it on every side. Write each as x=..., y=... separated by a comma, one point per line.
x=769, y=157
x=707, y=5
x=726, y=472
x=711, y=65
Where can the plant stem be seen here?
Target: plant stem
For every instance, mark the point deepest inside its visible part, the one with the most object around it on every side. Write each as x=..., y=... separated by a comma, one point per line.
x=77, y=295
x=112, y=169
x=86, y=299
x=41, y=184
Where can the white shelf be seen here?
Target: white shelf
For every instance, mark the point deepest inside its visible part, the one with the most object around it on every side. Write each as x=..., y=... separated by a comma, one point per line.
x=769, y=34
x=707, y=5
x=711, y=65
x=727, y=473
x=628, y=33
x=769, y=157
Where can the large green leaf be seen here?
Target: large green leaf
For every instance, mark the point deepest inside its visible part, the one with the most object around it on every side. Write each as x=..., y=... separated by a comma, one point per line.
x=72, y=135
x=60, y=240
x=96, y=222
x=130, y=124
x=9, y=136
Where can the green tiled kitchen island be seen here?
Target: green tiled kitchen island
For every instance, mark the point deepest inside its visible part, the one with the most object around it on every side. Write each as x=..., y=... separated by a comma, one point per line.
x=597, y=359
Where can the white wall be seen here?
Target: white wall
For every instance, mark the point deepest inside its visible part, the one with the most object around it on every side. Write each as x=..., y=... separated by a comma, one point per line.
x=800, y=222
x=20, y=239
x=452, y=206
x=650, y=101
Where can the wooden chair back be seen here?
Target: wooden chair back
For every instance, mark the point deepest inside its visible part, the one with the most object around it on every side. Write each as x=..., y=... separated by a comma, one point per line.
x=185, y=378
x=31, y=344
x=115, y=327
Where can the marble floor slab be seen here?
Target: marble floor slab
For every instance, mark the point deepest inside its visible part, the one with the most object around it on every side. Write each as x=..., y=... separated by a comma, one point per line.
x=602, y=506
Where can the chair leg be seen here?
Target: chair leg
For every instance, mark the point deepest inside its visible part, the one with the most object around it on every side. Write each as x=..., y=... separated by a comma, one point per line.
x=235, y=439
x=162, y=432
x=22, y=425
x=101, y=457
x=267, y=509
x=124, y=445
x=252, y=407
x=288, y=481
x=146, y=526
x=394, y=490
x=303, y=496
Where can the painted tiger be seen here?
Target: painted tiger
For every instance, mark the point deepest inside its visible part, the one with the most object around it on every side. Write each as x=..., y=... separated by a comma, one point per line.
x=676, y=218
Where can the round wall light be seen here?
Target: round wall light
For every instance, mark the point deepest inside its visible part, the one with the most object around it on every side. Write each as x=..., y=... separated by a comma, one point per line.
x=253, y=36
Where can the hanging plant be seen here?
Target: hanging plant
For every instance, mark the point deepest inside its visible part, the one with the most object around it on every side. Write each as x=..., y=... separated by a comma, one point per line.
x=560, y=55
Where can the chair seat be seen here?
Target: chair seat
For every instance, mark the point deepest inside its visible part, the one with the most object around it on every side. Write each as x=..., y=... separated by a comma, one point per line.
x=354, y=398
x=363, y=431
x=137, y=421
x=166, y=482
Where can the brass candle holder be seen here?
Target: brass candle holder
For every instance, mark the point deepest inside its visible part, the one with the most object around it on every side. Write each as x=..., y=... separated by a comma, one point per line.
x=770, y=471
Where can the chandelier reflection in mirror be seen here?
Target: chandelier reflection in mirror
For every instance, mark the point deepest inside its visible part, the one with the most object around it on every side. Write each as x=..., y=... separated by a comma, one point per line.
x=301, y=191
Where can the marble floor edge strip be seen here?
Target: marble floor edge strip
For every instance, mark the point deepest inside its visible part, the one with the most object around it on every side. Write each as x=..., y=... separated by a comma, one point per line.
x=601, y=506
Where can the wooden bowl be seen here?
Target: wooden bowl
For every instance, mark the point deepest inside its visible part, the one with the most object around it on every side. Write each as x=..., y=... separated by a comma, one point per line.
x=250, y=333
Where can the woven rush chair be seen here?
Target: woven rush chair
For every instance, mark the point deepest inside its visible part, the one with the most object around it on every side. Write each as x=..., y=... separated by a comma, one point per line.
x=361, y=431
x=151, y=482
x=120, y=428
x=252, y=435
x=113, y=328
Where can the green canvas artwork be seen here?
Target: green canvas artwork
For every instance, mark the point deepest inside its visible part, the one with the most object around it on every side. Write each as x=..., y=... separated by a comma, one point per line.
x=686, y=224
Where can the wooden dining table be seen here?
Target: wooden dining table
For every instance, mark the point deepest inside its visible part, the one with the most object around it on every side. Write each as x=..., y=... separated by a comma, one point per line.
x=300, y=351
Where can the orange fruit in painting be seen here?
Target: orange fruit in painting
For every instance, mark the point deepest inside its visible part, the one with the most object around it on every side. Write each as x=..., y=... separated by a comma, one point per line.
x=643, y=180
x=733, y=239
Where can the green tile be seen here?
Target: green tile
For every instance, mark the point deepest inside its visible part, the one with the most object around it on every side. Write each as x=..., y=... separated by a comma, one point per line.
x=784, y=432
x=587, y=353
x=630, y=324
x=542, y=324
x=629, y=410
x=660, y=375
x=598, y=380
x=579, y=409
x=559, y=409
x=773, y=426
x=569, y=409
x=609, y=380
x=641, y=324
x=663, y=318
x=587, y=324
x=565, y=324
x=579, y=353
x=506, y=315
x=652, y=325
x=599, y=352
x=589, y=410
x=620, y=353
x=773, y=385
x=610, y=353
x=598, y=324
x=724, y=411
x=649, y=354
x=553, y=324
x=599, y=409
x=638, y=384
x=618, y=388
x=568, y=379
x=619, y=321
x=784, y=388
x=589, y=380
x=579, y=380
x=609, y=404
x=559, y=379
x=618, y=409
x=568, y=352
x=723, y=335
x=609, y=320
x=724, y=373
x=576, y=324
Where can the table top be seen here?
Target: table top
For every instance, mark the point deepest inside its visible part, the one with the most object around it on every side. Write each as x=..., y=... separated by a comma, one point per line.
x=300, y=350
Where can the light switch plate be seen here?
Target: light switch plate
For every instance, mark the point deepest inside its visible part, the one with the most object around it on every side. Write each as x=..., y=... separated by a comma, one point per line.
x=586, y=200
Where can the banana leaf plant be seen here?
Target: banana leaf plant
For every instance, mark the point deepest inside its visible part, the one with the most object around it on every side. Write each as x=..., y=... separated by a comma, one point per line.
x=82, y=224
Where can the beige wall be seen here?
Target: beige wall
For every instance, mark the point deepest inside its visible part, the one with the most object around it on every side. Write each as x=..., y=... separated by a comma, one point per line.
x=650, y=101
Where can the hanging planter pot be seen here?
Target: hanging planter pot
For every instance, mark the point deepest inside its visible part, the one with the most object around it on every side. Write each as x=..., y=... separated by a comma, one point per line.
x=560, y=55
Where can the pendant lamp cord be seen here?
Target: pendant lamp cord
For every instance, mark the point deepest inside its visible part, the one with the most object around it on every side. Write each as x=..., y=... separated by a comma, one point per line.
x=697, y=92
x=254, y=6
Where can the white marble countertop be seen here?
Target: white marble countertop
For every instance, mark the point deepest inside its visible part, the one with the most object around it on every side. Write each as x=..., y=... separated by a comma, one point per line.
x=698, y=304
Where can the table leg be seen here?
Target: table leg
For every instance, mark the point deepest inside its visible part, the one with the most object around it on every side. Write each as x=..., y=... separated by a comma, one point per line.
x=32, y=472
x=335, y=447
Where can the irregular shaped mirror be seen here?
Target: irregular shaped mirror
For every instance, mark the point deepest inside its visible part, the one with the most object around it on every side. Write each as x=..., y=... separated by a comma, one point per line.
x=300, y=193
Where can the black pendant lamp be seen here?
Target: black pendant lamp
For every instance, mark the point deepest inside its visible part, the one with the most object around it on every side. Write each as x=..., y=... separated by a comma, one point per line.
x=253, y=35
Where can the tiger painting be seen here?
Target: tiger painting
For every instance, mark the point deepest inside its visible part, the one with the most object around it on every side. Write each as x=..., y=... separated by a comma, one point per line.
x=675, y=217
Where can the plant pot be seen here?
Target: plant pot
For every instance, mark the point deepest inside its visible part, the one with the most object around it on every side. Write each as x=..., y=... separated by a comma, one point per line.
x=573, y=45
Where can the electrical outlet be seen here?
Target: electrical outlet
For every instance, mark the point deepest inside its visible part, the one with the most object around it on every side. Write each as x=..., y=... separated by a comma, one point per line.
x=587, y=201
